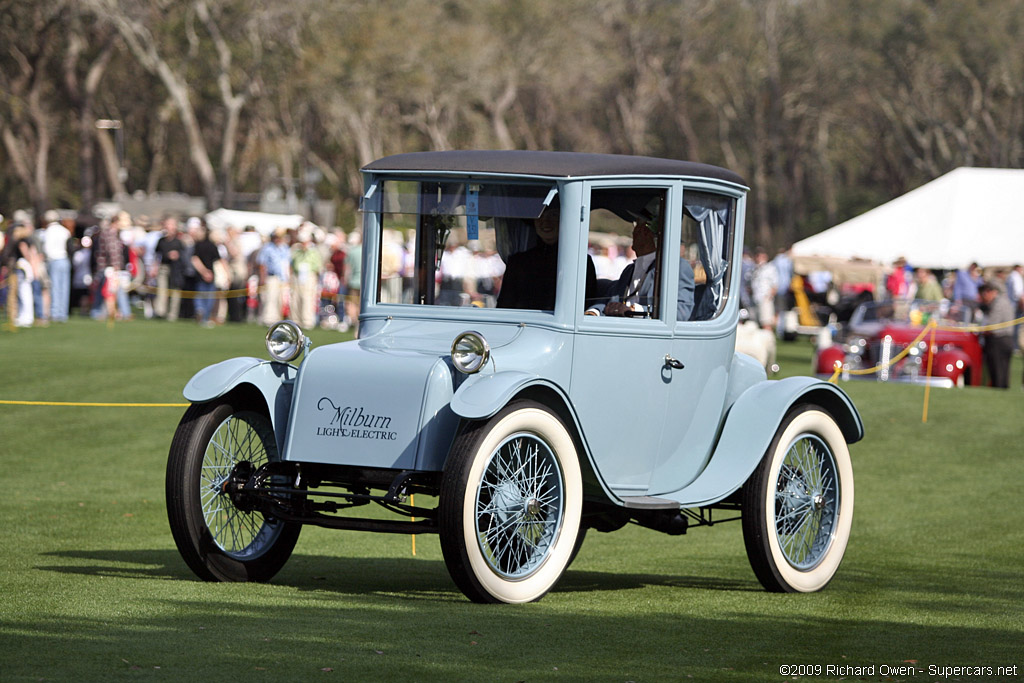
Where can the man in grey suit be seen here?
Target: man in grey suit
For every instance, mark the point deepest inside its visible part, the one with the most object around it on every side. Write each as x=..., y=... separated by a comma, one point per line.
x=633, y=293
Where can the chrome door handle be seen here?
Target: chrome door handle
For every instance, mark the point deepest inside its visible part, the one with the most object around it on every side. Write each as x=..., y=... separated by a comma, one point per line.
x=673, y=363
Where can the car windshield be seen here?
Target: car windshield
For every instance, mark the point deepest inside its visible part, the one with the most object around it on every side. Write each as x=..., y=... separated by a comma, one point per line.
x=448, y=243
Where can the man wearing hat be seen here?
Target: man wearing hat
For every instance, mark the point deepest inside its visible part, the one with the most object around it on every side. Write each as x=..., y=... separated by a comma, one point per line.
x=633, y=294
x=55, y=247
x=999, y=342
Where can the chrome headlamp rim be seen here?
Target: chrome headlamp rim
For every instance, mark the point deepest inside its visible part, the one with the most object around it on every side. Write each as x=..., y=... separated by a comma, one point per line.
x=481, y=355
x=292, y=348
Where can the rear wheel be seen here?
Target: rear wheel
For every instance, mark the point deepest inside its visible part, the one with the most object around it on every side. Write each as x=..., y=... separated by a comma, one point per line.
x=798, y=504
x=220, y=541
x=510, y=505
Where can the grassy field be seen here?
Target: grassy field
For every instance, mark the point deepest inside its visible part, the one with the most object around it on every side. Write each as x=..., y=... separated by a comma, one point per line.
x=92, y=588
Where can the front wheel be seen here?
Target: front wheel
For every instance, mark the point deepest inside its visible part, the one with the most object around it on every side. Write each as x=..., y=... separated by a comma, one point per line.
x=216, y=442
x=510, y=505
x=798, y=504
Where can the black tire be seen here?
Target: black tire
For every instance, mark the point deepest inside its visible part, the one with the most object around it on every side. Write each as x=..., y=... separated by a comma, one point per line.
x=798, y=504
x=581, y=536
x=217, y=540
x=510, y=505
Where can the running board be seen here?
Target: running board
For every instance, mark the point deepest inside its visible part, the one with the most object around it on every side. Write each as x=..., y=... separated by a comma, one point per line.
x=648, y=503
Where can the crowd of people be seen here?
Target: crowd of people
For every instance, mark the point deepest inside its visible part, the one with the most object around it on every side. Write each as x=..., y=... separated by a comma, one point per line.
x=965, y=296
x=116, y=268
x=992, y=303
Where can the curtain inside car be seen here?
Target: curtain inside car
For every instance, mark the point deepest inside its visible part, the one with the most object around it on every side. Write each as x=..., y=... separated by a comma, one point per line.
x=711, y=246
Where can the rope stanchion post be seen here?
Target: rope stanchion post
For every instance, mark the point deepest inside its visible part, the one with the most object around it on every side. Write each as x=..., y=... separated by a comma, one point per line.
x=412, y=501
x=835, y=373
x=928, y=373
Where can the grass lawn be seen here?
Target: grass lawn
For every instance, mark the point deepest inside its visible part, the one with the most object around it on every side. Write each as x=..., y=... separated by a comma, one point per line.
x=92, y=588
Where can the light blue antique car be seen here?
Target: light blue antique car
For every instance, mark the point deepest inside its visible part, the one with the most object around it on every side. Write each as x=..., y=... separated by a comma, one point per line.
x=546, y=346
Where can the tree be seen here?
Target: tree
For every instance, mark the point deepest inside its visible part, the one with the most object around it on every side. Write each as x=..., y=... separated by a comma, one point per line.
x=83, y=67
x=155, y=33
x=27, y=120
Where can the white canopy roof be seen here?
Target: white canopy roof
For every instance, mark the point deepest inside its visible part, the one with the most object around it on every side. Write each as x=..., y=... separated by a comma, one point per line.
x=264, y=223
x=970, y=214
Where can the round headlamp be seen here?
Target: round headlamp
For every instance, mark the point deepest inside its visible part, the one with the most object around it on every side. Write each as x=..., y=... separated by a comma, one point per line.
x=285, y=341
x=470, y=352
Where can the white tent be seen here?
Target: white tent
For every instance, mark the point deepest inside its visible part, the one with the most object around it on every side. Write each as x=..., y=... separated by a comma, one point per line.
x=264, y=223
x=970, y=214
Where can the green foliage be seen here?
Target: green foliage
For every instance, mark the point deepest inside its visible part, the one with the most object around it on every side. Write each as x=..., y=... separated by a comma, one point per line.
x=94, y=588
x=826, y=107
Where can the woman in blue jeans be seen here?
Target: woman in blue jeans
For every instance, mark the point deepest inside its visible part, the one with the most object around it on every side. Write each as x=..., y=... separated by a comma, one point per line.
x=203, y=258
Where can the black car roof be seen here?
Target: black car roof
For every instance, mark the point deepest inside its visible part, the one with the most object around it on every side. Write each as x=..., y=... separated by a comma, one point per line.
x=554, y=164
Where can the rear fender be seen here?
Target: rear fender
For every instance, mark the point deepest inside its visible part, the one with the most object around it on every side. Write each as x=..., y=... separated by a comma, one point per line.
x=273, y=381
x=751, y=424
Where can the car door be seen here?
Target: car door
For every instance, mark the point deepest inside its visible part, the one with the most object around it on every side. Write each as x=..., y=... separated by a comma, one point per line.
x=620, y=384
x=703, y=342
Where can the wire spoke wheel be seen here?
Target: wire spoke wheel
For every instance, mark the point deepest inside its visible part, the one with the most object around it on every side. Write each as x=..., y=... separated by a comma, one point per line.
x=519, y=506
x=798, y=504
x=806, y=502
x=237, y=444
x=510, y=505
x=217, y=444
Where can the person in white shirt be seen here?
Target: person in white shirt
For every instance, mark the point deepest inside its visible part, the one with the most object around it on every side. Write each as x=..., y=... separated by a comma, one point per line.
x=1015, y=287
x=1015, y=293
x=55, y=248
x=764, y=284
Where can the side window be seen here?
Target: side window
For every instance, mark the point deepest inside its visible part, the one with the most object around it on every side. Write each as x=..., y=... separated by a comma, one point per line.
x=705, y=246
x=626, y=247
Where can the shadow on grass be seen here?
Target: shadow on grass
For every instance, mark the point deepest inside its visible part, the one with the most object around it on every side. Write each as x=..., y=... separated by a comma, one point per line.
x=406, y=577
x=402, y=618
x=299, y=639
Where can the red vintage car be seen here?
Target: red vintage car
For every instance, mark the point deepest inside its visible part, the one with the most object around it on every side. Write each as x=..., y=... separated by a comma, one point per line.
x=879, y=331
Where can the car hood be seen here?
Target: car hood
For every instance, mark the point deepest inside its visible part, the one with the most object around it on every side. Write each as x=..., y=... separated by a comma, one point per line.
x=372, y=403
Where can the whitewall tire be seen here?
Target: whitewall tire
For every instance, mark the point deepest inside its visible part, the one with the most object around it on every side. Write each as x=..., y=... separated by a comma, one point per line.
x=798, y=504
x=510, y=505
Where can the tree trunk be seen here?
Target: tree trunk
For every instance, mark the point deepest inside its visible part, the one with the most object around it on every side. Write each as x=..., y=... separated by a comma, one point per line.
x=82, y=95
x=111, y=161
x=142, y=45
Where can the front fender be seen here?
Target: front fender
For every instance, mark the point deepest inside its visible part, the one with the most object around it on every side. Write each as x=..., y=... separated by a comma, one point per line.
x=273, y=380
x=750, y=426
x=481, y=396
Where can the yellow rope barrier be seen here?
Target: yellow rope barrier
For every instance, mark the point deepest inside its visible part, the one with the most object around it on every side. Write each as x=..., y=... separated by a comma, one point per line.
x=931, y=327
x=194, y=293
x=881, y=366
x=928, y=385
x=981, y=328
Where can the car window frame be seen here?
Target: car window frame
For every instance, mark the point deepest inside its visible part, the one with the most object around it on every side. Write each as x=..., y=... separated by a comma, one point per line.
x=636, y=327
